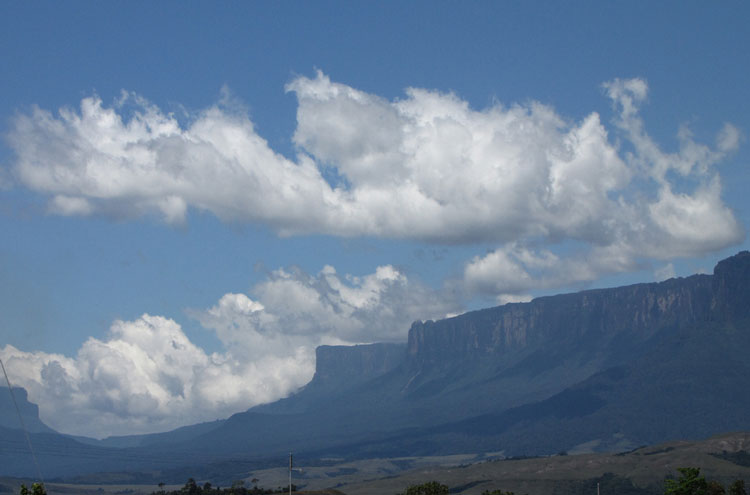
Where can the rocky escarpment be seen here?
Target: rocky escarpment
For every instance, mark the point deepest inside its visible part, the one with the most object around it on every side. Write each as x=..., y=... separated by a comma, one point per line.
x=634, y=313
x=607, y=369
x=28, y=410
x=731, y=288
x=339, y=369
x=345, y=366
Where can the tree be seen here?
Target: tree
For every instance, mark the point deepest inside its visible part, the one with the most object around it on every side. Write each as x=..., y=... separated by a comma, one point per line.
x=737, y=488
x=689, y=483
x=429, y=488
x=238, y=487
x=715, y=488
x=36, y=489
x=191, y=487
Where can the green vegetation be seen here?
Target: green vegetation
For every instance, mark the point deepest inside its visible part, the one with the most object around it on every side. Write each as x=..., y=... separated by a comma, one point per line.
x=737, y=488
x=691, y=482
x=238, y=488
x=608, y=483
x=429, y=488
x=36, y=489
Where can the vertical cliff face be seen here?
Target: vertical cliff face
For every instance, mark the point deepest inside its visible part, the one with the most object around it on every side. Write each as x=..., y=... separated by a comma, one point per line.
x=339, y=369
x=633, y=313
x=29, y=411
x=731, y=289
x=636, y=364
x=356, y=363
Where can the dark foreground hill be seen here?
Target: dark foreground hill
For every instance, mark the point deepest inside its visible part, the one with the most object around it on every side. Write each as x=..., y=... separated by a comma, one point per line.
x=606, y=369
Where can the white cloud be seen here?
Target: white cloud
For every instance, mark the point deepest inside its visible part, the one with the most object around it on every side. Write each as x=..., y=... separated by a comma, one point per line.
x=423, y=167
x=639, y=218
x=692, y=157
x=665, y=272
x=295, y=306
x=95, y=160
x=147, y=376
x=68, y=206
x=512, y=271
x=513, y=298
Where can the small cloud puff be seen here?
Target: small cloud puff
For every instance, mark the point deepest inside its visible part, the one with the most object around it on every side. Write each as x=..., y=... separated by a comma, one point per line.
x=665, y=272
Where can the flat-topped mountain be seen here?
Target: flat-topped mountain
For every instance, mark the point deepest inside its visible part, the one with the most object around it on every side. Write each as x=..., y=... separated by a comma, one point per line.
x=605, y=369
x=29, y=411
x=537, y=366
x=639, y=311
x=339, y=369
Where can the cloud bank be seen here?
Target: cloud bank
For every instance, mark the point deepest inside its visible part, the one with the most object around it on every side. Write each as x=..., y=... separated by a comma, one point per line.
x=147, y=376
x=669, y=206
x=426, y=167
x=564, y=202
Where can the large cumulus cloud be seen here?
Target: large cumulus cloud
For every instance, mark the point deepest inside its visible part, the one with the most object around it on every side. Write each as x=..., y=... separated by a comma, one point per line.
x=670, y=207
x=426, y=166
x=146, y=375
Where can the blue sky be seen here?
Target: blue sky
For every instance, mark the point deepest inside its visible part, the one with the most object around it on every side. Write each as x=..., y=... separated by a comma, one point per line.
x=229, y=185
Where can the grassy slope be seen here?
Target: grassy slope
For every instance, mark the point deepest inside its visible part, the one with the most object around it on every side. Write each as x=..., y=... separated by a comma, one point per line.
x=646, y=468
x=638, y=472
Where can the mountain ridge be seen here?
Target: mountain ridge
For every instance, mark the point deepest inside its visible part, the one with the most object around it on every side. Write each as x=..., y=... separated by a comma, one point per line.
x=609, y=368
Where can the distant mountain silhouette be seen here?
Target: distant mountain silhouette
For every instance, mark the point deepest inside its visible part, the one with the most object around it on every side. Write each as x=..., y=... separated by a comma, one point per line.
x=606, y=369
x=29, y=411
